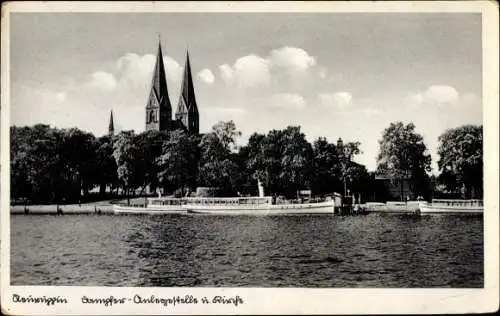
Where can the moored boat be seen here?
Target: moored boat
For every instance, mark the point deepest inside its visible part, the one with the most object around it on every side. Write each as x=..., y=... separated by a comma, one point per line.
x=395, y=207
x=452, y=207
x=154, y=206
x=256, y=206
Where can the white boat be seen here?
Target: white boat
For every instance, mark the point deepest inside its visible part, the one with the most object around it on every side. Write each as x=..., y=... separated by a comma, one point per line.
x=255, y=206
x=392, y=207
x=155, y=206
x=452, y=207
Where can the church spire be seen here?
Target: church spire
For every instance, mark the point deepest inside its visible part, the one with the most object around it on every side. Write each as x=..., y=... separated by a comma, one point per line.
x=111, y=128
x=159, y=78
x=158, y=107
x=187, y=84
x=187, y=110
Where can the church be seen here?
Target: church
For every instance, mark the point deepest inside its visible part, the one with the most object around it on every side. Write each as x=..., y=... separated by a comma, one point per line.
x=158, y=111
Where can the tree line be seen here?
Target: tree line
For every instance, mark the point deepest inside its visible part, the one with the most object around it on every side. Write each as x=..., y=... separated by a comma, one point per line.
x=404, y=155
x=51, y=165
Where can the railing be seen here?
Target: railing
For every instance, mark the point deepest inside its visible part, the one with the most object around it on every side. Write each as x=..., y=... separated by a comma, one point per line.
x=458, y=202
x=302, y=201
x=230, y=201
x=167, y=201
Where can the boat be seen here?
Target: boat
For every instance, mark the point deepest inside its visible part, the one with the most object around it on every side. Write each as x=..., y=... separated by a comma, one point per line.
x=452, y=207
x=395, y=207
x=154, y=206
x=256, y=206
x=263, y=205
x=169, y=205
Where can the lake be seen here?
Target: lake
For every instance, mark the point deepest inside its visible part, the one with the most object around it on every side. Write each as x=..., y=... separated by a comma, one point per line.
x=276, y=251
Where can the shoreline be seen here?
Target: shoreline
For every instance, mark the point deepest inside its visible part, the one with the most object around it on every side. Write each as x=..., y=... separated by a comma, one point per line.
x=87, y=208
x=106, y=207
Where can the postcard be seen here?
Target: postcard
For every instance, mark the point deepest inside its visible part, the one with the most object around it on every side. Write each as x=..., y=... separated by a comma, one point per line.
x=249, y=158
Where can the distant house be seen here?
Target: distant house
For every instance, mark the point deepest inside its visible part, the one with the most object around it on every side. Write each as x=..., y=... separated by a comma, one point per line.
x=389, y=188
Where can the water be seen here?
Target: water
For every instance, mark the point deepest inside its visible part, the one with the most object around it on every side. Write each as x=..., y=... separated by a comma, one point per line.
x=282, y=251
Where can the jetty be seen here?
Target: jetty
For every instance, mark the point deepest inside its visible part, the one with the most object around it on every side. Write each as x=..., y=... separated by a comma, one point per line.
x=63, y=209
x=392, y=207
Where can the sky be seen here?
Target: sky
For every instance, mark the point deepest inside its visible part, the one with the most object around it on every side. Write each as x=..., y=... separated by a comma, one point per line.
x=345, y=75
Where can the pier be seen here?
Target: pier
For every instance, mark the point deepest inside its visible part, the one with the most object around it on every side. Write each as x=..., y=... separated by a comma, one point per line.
x=73, y=209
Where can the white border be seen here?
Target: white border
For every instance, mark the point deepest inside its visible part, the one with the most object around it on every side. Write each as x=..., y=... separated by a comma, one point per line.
x=267, y=300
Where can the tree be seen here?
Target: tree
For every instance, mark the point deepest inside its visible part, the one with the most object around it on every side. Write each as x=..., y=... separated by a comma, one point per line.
x=346, y=152
x=326, y=167
x=105, y=163
x=136, y=158
x=281, y=160
x=177, y=163
x=19, y=182
x=40, y=170
x=248, y=164
x=216, y=166
x=124, y=152
x=296, y=157
x=460, y=162
x=403, y=155
x=227, y=134
x=361, y=181
x=264, y=159
x=77, y=151
x=148, y=147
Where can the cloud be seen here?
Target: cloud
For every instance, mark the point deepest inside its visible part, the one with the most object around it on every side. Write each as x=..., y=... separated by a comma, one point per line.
x=441, y=95
x=173, y=69
x=252, y=71
x=255, y=71
x=415, y=100
x=470, y=100
x=213, y=114
x=126, y=85
x=371, y=111
x=236, y=111
x=61, y=97
x=206, y=76
x=247, y=72
x=340, y=100
x=135, y=71
x=226, y=72
x=103, y=80
x=286, y=101
x=437, y=95
x=322, y=73
x=291, y=58
x=46, y=96
x=52, y=107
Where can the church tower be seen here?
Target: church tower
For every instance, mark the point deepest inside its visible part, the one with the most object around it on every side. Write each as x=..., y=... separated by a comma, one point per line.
x=111, y=128
x=187, y=109
x=158, y=107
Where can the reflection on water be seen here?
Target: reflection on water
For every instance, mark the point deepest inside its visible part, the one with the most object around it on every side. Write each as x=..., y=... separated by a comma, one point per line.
x=288, y=251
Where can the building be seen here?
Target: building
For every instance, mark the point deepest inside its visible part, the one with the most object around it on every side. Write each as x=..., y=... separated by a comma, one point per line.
x=159, y=108
x=187, y=110
x=390, y=189
x=111, y=127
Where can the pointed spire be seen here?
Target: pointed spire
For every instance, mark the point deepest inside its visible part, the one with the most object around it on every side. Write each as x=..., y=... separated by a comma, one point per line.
x=187, y=109
x=159, y=108
x=187, y=84
x=111, y=128
x=159, y=80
